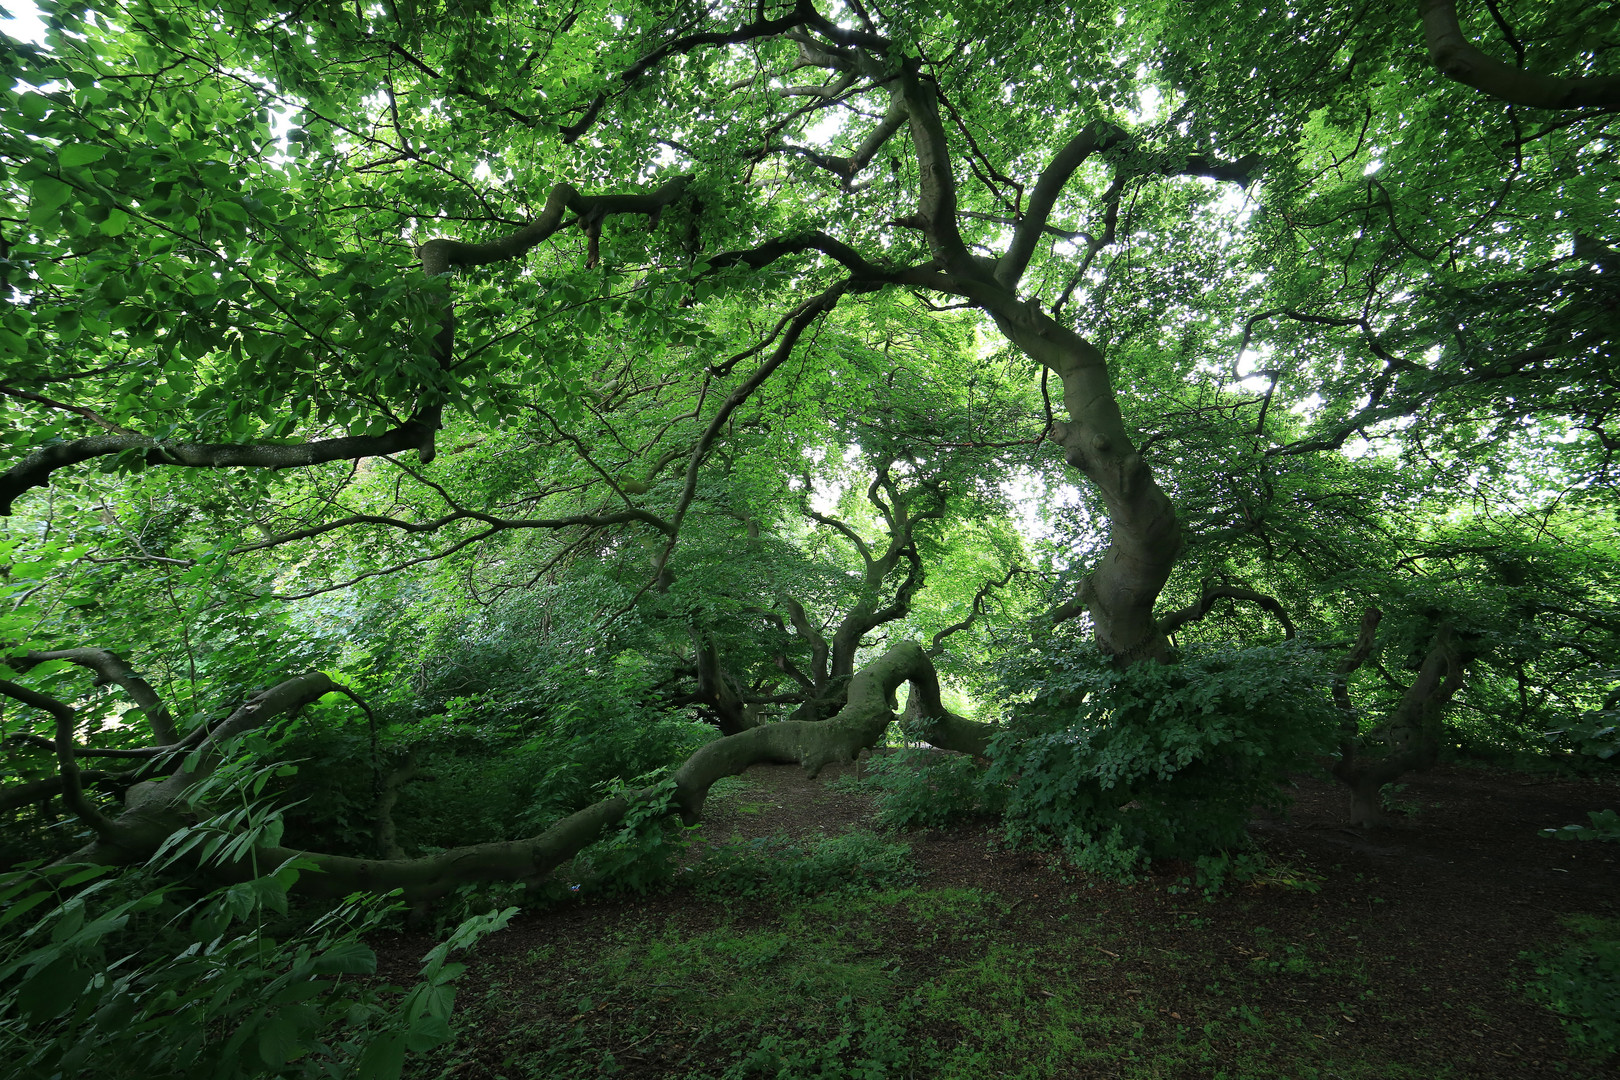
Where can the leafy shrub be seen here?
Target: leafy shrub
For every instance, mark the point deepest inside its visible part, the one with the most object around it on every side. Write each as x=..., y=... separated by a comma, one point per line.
x=1594, y=734
x=104, y=968
x=481, y=780
x=641, y=855
x=928, y=788
x=1582, y=984
x=782, y=868
x=1605, y=825
x=112, y=970
x=1157, y=760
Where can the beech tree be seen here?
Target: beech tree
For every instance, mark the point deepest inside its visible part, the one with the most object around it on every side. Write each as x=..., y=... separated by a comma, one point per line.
x=1246, y=293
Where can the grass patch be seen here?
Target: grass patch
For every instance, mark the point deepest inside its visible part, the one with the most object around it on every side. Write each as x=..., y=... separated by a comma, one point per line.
x=782, y=868
x=878, y=983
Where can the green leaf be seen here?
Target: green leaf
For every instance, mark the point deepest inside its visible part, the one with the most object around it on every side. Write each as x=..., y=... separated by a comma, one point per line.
x=52, y=989
x=47, y=196
x=116, y=1013
x=281, y=1039
x=72, y=154
x=347, y=958
x=427, y=1032
x=18, y=908
x=384, y=1058
x=117, y=221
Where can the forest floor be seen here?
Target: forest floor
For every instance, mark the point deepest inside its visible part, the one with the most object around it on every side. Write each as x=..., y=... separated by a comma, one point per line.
x=806, y=944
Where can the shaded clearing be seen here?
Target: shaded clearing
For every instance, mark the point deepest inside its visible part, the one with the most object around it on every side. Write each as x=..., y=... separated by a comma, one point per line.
x=1405, y=962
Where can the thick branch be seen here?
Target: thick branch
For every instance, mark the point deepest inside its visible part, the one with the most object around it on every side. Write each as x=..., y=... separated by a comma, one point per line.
x=808, y=633
x=442, y=255
x=72, y=783
x=716, y=689
x=936, y=202
x=1010, y=268
x=814, y=745
x=1200, y=608
x=110, y=669
x=1456, y=58
x=815, y=240
x=1413, y=729
x=387, y=835
x=926, y=719
x=14, y=797
x=848, y=168
x=156, y=811
x=1365, y=638
x=849, y=534
x=35, y=470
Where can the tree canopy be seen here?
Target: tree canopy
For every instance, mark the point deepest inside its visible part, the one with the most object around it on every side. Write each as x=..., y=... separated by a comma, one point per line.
x=647, y=380
x=440, y=441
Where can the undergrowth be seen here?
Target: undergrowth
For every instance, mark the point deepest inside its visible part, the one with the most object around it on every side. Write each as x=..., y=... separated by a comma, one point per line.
x=1581, y=983
x=782, y=868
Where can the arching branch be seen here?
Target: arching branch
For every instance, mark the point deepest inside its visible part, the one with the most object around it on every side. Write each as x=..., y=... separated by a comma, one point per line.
x=1458, y=58
x=867, y=713
x=109, y=668
x=1175, y=620
x=926, y=719
x=35, y=470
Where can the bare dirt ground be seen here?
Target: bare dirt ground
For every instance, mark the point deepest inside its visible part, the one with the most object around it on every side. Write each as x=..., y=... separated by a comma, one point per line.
x=1405, y=960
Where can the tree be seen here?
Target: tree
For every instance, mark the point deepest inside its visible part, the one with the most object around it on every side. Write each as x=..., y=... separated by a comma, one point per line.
x=516, y=293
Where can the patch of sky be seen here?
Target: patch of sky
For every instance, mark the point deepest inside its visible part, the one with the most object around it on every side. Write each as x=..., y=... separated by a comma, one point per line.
x=20, y=20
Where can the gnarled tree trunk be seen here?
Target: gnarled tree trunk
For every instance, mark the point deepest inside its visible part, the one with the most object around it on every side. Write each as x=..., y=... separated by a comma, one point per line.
x=161, y=807
x=1413, y=730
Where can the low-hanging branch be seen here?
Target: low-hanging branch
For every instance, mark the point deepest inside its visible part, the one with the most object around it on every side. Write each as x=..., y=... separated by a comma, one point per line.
x=159, y=808
x=865, y=716
x=417, y=433
x=35, y=470
x=14, y=797
x=620, y=517
x=975, y=609
x=72, y=784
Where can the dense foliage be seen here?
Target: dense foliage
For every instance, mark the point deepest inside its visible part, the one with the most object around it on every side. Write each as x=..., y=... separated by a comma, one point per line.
x=1156, y=760
x=522, y=417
